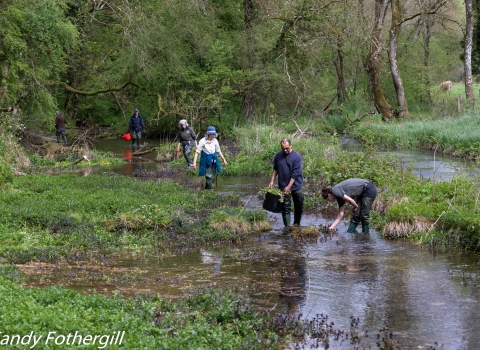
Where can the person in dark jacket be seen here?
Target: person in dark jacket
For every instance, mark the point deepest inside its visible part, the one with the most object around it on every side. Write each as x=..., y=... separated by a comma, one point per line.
x=136, y=128
x=60, y=122
x=209, y=150
x=358, y=192
x=186, y=139
x=288, y=165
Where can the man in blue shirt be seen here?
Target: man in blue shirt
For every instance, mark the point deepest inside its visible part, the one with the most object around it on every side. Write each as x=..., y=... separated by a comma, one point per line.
x=287, y=164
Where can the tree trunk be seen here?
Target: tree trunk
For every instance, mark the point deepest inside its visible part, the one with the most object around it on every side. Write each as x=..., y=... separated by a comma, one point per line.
x=373, y=62
x=427, y=34
x=338, y=62
x=248, y=98
x=468, y=50
x=397, y=79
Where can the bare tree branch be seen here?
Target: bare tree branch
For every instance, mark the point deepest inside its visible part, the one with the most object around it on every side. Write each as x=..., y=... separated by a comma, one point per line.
x=109, y=89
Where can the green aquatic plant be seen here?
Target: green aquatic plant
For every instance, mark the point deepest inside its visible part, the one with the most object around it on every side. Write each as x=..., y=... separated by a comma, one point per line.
x=206, y=319
x=46, y=218
x=275, y=191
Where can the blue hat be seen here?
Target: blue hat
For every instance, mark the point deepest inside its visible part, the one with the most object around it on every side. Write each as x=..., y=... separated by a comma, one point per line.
x=135, y=110
x=211, y=130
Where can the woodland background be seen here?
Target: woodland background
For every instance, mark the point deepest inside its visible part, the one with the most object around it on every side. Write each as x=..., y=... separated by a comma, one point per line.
x=230, y=61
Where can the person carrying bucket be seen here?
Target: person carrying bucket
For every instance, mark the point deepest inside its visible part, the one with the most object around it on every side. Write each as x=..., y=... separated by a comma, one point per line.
x=186, y=139
x=136, y=128
x=288, y=165
x=209, y=150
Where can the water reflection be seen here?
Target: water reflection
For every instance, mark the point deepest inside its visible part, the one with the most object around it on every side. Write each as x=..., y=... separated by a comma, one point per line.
x=133, y=164
x=393, y=284
x=213, y=259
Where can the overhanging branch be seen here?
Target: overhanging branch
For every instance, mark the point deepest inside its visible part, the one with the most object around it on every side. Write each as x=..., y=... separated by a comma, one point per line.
x=109, y=89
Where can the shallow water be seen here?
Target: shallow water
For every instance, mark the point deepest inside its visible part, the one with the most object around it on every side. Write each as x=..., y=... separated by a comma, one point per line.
x=420, y=297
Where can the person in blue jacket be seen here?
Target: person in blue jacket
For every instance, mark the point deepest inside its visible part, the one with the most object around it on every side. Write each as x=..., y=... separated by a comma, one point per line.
x=136, y=128
x=288, y=165
x=209, y=150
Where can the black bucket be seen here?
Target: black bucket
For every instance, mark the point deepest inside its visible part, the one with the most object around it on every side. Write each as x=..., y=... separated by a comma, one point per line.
x=272, y=203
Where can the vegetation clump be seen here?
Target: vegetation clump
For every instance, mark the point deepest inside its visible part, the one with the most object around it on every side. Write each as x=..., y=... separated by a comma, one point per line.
x=275, y=191
x=66, y=213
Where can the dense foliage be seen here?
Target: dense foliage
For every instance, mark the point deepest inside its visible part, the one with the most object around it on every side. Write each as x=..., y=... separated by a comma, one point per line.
x=212, y=61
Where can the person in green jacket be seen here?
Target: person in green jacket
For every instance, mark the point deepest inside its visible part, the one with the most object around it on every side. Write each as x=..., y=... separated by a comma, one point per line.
x=360, y=194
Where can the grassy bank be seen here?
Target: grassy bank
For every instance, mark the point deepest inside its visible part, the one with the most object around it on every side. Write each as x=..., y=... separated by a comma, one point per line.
x=97, y=212
x=454, y=136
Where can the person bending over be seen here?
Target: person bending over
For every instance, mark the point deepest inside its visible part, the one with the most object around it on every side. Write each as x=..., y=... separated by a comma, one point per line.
x=360, y=194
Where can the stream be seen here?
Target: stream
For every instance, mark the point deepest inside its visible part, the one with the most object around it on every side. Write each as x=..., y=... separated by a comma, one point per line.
x=426, y=299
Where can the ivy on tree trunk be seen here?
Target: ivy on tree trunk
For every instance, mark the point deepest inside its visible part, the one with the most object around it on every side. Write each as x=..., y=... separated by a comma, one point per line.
x=373, y=62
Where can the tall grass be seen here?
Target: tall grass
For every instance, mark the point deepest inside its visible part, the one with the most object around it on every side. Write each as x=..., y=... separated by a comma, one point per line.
x=259, y=143
x=455, y=136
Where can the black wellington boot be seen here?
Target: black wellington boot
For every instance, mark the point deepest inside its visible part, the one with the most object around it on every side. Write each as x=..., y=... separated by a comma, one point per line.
x=296, y=219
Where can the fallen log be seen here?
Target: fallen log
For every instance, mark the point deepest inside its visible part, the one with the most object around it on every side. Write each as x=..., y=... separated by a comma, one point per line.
x=139, y=153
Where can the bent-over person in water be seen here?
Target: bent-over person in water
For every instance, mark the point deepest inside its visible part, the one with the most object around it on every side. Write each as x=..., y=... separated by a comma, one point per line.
x=360, y=194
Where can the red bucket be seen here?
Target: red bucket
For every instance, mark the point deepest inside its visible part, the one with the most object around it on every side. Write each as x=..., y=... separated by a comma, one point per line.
x=127, y=136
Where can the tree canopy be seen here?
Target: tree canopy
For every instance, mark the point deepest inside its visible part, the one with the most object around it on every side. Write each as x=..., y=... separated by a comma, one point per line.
x=98, y=59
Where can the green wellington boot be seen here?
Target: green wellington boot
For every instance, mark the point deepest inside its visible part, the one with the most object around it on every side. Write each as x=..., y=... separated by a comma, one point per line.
x=365, y=228
x=286, y=220
x=352, y=228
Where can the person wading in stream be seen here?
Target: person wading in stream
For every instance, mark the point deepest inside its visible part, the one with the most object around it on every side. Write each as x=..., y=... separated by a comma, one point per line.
x=287, y=164
x=136, y=128
x=186, y=139
x=209, y=150
x=60, y=122
x=358, y=192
